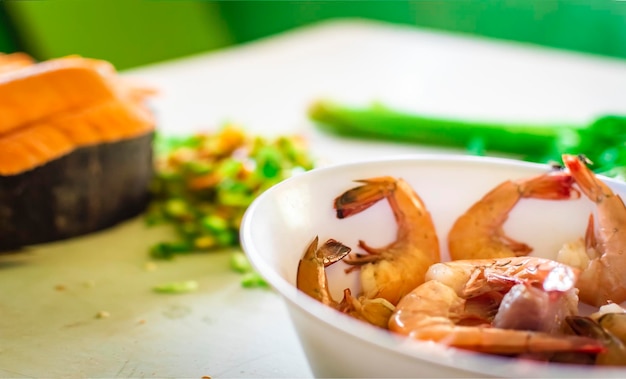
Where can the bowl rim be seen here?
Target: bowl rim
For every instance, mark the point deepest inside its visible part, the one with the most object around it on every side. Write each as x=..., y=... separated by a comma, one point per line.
x=405, y=346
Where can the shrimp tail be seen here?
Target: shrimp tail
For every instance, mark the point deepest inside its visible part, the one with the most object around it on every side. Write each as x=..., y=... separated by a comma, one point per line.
x=591, y=186
x=555, y=186
x=362, y=197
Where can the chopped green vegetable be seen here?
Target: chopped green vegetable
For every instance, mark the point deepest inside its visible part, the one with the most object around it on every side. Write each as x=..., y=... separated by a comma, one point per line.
x=239, y=262
x=253, y=279
x=204, y=183
x=603, y=141
x=166, y=250
x=165, y=144
x=177, y=287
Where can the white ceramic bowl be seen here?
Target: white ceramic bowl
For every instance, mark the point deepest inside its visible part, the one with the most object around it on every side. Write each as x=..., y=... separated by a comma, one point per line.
x=282, y=222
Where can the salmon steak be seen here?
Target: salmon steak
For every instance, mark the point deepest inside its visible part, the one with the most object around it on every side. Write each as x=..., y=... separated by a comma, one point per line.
x=75, y=148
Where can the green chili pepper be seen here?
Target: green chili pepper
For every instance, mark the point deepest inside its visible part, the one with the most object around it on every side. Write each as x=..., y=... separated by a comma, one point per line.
x=603, y=141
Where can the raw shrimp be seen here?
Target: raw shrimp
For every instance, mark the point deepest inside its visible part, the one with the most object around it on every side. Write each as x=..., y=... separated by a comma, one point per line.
x=602, y=256
x=392, y=271
x=437, y=309
x=312, y=280
x=479, y=233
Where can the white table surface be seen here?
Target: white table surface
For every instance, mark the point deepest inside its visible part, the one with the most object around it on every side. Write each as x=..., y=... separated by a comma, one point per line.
x=52, y=293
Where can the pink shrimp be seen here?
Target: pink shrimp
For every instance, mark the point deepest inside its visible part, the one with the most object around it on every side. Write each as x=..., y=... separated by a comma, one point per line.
x=602, y=257
x=438, y=309
x=479, y=233
x=392, y=271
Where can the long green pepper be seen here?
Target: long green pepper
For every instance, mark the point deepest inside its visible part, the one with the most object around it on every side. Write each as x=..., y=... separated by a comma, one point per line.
x=603, y=141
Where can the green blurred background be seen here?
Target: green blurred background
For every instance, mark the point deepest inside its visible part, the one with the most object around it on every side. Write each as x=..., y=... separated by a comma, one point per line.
x=132, y=33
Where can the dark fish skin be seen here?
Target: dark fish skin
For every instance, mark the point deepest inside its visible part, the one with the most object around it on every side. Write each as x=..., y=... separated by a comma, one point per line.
x=92, y=188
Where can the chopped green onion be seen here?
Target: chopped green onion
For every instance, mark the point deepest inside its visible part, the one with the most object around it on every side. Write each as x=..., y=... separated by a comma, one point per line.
x=239, y=262
x=176, y=207
x=167, y=250
x=204, y=183
x=177, y=287
x=214, y=223
x=253, y=280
